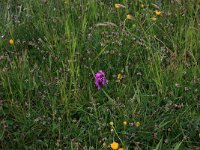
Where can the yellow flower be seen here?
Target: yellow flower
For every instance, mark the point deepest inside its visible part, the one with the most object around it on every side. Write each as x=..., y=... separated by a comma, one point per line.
x=11, y=41
x=153, y=18
x=125, y=123
x=119, y=6
x=130, y=17
x=114, y=145
x=199, y=135
x=142, y=5
x=157, y=12
x=111, y=123
x=119, y=76
x=137, y=124
x=121, y=149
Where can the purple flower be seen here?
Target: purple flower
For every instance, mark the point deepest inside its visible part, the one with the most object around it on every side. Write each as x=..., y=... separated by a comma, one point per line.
x=100, y=79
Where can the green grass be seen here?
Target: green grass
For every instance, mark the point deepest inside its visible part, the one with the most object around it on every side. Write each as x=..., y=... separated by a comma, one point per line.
x=48, y=99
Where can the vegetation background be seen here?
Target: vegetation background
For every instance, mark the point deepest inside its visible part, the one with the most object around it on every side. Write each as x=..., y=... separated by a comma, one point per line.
x=50, y=50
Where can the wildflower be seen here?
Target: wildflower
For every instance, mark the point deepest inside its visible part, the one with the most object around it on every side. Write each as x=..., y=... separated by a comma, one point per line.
x=137, y=124
x=157, y=12
x=119, y=76
x=129, y=17
x=111, y=130
x=142, y=5
x=11, y=41
x=199, y=135
x=100, y=79
x=119, y=6
x=111, y=123
x=125, y=123
x=153, y=18
x=121, y=149
x=114, y=145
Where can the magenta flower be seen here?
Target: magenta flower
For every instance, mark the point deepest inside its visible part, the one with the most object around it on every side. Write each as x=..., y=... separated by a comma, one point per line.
x=100, y=79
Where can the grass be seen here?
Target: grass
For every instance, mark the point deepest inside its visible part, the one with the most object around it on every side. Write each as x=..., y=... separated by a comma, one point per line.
x=48, y=99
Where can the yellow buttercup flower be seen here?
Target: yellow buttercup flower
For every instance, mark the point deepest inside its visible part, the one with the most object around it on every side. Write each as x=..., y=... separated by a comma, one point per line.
x=11, y=41
x=119, y=76
x=137, y=124
x=157, y=12
x=129, y=17
x=153, y=18
x=119, y=6
x=114, y=145
x=121, y=149
x=125, y=123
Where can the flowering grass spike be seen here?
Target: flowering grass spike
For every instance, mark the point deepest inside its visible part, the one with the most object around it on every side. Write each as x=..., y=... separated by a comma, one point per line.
x=100, y=79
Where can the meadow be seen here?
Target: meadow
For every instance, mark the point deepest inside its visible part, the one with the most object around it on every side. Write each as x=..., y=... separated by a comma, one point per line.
x=148, y=52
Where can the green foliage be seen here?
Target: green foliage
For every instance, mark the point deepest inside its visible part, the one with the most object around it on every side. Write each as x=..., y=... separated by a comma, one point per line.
x=48, y=99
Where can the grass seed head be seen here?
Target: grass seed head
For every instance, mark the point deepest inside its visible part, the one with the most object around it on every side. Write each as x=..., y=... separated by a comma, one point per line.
x=118, y=6
x=129, y=17
x=153, y=18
